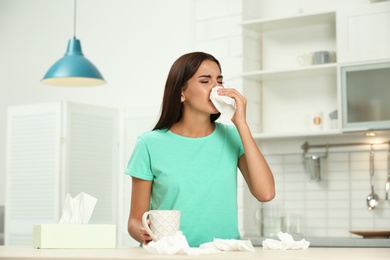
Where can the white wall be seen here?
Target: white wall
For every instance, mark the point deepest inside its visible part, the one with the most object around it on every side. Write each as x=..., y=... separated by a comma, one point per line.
x=133, y=43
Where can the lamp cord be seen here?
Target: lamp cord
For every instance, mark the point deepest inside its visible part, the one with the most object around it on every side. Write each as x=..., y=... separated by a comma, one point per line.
x=74, y=18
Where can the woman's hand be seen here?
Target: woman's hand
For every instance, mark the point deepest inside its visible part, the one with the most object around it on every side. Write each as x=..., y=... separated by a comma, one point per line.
x=240, y=115
x=138, y=232
x=144, y=235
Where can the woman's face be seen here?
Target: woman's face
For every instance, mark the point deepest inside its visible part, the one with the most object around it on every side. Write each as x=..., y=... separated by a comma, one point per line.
x=196, y=94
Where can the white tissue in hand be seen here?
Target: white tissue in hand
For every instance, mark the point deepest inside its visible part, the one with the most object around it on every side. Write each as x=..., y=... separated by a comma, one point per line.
x=286, y=242
x=78, y=210
x=224, y=104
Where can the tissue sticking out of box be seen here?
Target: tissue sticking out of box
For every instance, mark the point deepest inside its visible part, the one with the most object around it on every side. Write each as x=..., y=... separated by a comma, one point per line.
x=78, y=210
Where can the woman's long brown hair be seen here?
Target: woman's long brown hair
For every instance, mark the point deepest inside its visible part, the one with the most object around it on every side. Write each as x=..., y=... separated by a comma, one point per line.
x=181, y=71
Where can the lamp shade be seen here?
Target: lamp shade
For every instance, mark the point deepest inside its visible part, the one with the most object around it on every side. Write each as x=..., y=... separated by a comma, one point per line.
x=73, y=69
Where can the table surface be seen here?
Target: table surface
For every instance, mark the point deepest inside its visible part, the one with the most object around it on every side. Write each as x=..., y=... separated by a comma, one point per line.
x=23, y=253
x=335, y=242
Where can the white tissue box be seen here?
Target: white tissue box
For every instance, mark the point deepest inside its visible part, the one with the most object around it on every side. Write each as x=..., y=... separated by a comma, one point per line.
x=74, y=236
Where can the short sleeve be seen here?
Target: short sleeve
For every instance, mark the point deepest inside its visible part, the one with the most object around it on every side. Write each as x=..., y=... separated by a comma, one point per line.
x=139, y=162
x=240, y=146
x=234, y=138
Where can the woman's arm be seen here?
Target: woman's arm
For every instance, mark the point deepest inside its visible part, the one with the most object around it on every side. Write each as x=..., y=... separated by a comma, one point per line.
x=255, y=169
x=252, y=164
x=140, y=201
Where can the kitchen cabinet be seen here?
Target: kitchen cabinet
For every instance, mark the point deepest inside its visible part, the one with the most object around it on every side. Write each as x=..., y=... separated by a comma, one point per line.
x=364, y=56
x=291, y=92
x=54, y=149
x=365, y=92
x=363, y=33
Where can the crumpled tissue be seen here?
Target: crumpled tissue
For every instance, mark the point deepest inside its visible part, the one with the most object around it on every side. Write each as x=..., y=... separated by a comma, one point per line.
x=286, y=242
x=78, y=210
x=169, y=245
x=177, y=244
x=224, y=104
x=229, y=245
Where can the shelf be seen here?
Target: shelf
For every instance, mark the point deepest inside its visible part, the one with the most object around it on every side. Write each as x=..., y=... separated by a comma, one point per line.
x=310, y=71
x=284, y=83
x=357, y=132
x=322, y=133
x=286, y=90
x=288, y=22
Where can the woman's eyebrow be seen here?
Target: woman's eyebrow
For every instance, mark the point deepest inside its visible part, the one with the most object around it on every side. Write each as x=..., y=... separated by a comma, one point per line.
x=209, y=76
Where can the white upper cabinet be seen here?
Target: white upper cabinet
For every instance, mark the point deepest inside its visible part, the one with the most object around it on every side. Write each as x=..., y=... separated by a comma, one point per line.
x=364, y=33
x=365, y=95
x=287, y=84
x=284, y=39
x=292, y=87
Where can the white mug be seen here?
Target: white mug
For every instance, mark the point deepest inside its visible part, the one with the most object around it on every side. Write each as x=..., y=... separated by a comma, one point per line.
x=162, y=223
x=305, y=59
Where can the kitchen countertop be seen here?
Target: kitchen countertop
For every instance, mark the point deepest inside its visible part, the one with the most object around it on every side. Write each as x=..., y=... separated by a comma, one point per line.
x=317, y=253
x=335, y=242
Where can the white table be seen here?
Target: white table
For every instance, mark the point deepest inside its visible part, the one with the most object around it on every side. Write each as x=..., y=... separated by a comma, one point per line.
x=24, y=253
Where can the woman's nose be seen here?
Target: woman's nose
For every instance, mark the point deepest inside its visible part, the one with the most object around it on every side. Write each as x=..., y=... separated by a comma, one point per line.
x=216, y=83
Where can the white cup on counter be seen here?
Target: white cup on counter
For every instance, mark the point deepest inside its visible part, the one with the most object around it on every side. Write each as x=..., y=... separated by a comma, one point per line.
x=162, y=223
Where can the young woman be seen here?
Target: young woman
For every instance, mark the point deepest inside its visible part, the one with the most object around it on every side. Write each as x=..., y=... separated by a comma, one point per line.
x=189, y=162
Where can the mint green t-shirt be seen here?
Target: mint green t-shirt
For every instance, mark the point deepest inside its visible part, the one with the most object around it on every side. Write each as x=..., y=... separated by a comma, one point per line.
x=197, y=176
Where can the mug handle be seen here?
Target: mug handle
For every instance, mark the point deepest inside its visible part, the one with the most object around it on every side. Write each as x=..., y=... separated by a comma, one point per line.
x=146, y=226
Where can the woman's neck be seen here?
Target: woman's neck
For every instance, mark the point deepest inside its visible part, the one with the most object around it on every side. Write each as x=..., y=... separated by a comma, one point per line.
x=193, y=128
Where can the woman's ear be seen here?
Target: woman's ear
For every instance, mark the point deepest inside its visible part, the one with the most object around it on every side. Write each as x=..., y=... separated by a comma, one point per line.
x=183, y=98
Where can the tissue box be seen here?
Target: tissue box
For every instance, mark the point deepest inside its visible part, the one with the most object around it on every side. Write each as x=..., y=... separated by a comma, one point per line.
x=74, y=236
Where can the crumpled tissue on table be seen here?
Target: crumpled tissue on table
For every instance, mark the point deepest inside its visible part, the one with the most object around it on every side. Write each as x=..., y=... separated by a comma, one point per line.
x=286, y=242
x=78, y=210
x=177, y=244
x=224, y=104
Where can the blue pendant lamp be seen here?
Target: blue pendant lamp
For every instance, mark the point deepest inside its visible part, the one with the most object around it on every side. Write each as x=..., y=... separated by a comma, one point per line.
x=73, y=69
